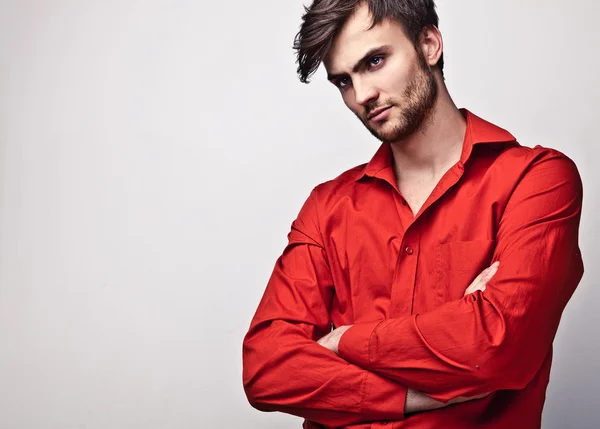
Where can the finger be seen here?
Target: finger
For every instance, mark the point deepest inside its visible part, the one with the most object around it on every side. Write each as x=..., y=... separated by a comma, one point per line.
x=490, y=272
x=478, y=286
x=481, y=288
x=483, y=277
x=482, y=274
x=479, y=278
x=488, y=277
x=472, y=289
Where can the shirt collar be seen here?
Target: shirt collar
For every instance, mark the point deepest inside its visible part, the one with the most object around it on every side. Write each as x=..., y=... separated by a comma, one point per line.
x=479, y=131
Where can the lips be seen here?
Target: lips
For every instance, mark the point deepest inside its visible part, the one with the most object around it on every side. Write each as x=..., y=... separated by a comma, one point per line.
x=377, y=112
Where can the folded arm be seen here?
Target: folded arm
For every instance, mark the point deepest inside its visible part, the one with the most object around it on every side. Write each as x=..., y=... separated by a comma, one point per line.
x=496, y=339
x=284, y=368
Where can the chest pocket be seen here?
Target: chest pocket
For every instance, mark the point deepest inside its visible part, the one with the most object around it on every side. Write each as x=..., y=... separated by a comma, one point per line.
x=457, y=263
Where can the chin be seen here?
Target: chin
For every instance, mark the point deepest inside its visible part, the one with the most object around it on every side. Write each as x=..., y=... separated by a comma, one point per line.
x=390, y=131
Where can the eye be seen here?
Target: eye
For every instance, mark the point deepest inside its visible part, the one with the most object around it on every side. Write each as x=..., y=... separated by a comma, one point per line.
x=375, y=61
x=343, y=82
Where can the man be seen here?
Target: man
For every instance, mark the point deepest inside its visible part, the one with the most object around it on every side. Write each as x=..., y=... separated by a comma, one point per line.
x=391, y=253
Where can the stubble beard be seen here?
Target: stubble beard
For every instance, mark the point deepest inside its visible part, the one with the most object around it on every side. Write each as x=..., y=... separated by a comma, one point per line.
x=416, y=107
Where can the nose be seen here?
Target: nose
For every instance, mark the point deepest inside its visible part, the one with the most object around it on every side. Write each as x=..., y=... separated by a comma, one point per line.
x=364, y=92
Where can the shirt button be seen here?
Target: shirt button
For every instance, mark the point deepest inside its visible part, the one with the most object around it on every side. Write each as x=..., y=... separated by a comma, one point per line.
x=408, y=250
x=403, y=202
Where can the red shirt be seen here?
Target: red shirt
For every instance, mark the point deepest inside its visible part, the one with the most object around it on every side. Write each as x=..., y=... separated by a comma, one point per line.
x=358, y=256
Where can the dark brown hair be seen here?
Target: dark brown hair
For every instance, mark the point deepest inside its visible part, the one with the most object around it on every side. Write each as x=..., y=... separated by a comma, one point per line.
x=323, y=20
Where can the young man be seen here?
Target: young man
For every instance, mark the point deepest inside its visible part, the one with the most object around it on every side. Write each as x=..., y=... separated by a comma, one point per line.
x=391, y=253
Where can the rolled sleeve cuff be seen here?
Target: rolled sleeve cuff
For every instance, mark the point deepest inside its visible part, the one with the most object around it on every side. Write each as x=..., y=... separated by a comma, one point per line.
x=354, y=344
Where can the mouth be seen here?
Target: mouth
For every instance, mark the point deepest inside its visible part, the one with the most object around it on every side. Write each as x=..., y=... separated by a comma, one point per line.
x=378, y=114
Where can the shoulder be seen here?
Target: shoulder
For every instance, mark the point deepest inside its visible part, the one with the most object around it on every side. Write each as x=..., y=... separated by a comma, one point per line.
x=339, y=187
x=323, y=197
x=540, y=163
x=544, y=175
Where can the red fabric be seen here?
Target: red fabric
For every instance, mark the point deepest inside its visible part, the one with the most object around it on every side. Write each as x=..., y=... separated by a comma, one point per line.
x=357, y=256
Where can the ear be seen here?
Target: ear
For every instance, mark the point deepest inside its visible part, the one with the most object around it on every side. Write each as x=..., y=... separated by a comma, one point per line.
x=431, y=43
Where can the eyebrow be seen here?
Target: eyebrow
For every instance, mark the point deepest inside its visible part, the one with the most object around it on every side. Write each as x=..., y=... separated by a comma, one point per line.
x=359, y=63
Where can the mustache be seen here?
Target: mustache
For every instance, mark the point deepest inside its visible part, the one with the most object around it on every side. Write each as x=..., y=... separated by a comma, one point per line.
x=370, y=109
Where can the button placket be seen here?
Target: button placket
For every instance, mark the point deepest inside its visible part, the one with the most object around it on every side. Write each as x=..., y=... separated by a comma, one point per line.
x=403, y=288
x=414, y=252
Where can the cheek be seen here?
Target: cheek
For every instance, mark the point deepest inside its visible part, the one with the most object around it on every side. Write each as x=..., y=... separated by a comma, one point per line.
x=392, y=80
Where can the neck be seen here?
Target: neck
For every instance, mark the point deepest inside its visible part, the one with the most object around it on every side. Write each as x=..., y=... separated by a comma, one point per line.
x=434, y=148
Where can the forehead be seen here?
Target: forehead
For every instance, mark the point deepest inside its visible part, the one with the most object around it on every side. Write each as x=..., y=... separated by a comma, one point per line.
x=355, y=39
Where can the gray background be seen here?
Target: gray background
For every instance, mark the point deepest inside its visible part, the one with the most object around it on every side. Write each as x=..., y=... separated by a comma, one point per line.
x=153, y=155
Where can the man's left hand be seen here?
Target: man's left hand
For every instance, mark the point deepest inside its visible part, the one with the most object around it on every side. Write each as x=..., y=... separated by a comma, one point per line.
x=331, y=340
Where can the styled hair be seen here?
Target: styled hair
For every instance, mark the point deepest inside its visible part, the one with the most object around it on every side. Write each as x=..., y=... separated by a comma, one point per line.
x=323, y=20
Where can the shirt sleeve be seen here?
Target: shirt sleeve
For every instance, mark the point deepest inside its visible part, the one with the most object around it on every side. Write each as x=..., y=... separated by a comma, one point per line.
x=284, y=368
x=496, y=339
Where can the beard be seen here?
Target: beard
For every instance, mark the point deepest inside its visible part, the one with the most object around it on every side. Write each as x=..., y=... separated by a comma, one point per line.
x=414, y=109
